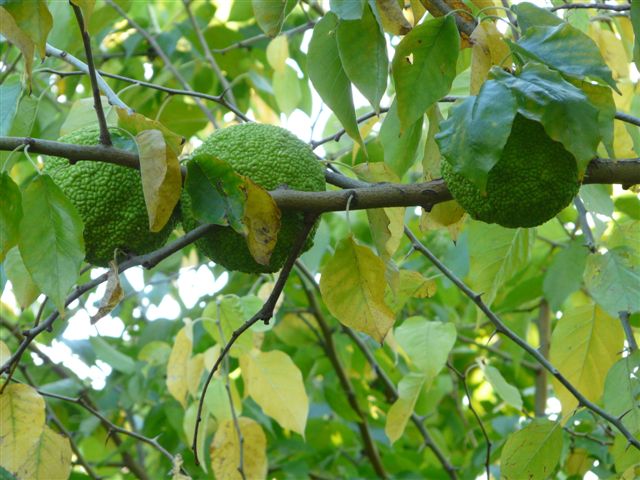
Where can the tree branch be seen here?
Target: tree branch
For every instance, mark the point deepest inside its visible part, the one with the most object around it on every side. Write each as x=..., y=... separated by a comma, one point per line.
x=503, y=329
x=105, y=137
x=628, y=330
x=598, y=6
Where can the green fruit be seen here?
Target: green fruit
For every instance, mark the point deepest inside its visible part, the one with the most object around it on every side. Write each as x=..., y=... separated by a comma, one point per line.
x=271, y=157
x=109, y=199
x=535, y=178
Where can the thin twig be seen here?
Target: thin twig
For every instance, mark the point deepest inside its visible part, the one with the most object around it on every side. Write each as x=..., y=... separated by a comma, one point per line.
x=628, y=330
x=544, y=333
x=165, y=59
x=105, y=137
x=265, y=313
x=598, y=6
x=584, y=224
x=10, y=68
x=79, y=64
x=250, y=41
x=502, y=328
x=625, y=117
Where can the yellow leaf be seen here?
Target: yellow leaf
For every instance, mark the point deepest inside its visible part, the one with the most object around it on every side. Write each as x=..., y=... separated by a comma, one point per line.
x=446, y=214
x=262, y=219
x=584, y=345
x=401, y=410
x=612, y=51
x=386, y=224
x=5, y=353
x=410, y=283
x=353, y=285
x=294, y=329
x=417, y=11
x=135, y=123
x=480, y=4
x=33, y=19
x=48, y=459
x=276, y=384
x=195, y=367
x=178, y=364
x=393, y=20
x=19, y=38
x=161, y=177
x=578, y=462
x=225, y=450
x=278, y=52
x=21, y=424
x=489, y=48
x=112, y=295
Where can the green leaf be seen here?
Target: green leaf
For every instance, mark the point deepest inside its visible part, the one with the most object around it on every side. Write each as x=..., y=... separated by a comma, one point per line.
x=24, y=289
x=215, y=191
x=635, y=21
x=328, y=76
x=427, y=343
x=424, y=67
x=566, y=49
x=400, y=412
x=352, y=286
x=496, y=254
x=622, y=391
x=10, y=213
x=602, y=98
x=564, y=110
x=270, y=15
x=532, y=452
x=229, y=312
x=9, y=95
x=400, y=148
x=474, y=135
x=33, y=18
x=613, y=279
x=347, y=9
x=50, y=242
x=564, y=275
x=530, y=16
x=507, y=392
x=108, y=354
x=597, y=199
x=286, y=89
x=363, y=52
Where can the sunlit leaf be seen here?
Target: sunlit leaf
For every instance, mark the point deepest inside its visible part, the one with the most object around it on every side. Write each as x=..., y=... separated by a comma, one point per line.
x=353, y=285
x=48, y=459
x=228, y=311
x=178, y=365
x=32, y=18
x=225, y=450
x=488, y=49
x=400, y=412
x=270, y=15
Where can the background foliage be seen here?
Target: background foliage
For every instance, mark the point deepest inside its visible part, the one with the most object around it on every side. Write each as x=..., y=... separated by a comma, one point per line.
x=378, y=362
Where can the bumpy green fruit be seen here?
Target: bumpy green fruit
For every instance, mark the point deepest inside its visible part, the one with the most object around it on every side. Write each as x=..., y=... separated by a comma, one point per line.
x=535, y=178
x=272, y=157
x=109, y=199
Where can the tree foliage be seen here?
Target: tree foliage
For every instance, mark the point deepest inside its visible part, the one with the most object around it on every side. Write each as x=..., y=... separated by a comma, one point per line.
x=410, y=341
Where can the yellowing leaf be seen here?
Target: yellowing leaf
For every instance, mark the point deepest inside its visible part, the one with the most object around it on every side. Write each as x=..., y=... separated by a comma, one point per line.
x=579, y=462
x=584, y=345
x=48, y=459
x=195, y=367
x=33, y=19
x=228, y=311
x=24, y=288
x=410, y=284
x=393, y=21
x=446, y=214
x=217, y=400
x=87, y=7
x=488, y=49
x=278, y=52
x=178, y=364
x=5, y=353
x=112, y=295
x=386, y=224
x=353, y=286
x=161, y=177
x=400, y=412
x=135, y=123
x=612, y=51
x=225, y=450
x=10, y=29
x=275, y=383
x=262, y=219
x=21, y=424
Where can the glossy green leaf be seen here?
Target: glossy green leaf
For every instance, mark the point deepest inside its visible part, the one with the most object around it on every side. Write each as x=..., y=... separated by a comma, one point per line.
x=50, y=242
x=328, y=76
x=400, y=147
x=363, y=52
x=507, y=392
x=530, y=15
x=566, y=49
x=622, y=391
x=215, y=191
x=348, y=9
x=9, y=96
x=564, y=110
x=424, y=67
x=564, y=275
x=474, y=135
x=10, y=213
x=533, y=452
x=613, y=279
